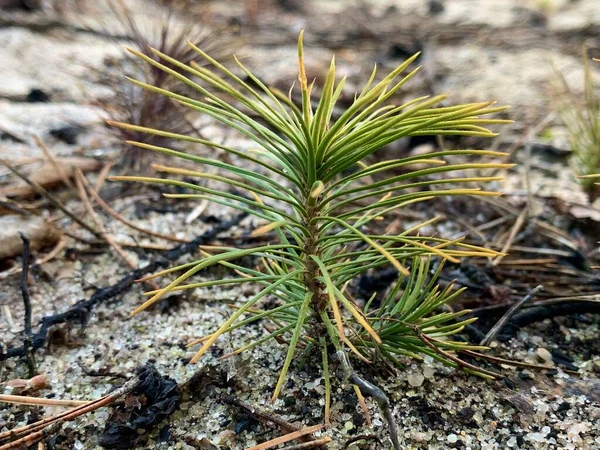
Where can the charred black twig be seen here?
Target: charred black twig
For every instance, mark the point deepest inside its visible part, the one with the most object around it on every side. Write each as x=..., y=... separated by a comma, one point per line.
x=539, y=313
x=27, y=306
x=510, y=313
x=84, y=306
x=3, y=351
x=24, y=287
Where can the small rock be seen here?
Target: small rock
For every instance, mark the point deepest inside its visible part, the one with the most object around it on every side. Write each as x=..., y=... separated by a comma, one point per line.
x=415, y=379
x=25, y=5
x=41, y=234
x=465, y=415
x=536, y=437
x=436, y=7
x=419, y=436
x=576, y=429
x=428, y=372
x=526, y=375
x=452, y=438
x=37, y=96
x=66, y=134
x=544, y=355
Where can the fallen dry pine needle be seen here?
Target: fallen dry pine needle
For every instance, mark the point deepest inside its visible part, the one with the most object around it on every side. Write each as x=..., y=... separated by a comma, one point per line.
x=53, y=200
x=37, y=401
x=30, y=434
x=115, y=215
x=286, y=438
x=90, y=210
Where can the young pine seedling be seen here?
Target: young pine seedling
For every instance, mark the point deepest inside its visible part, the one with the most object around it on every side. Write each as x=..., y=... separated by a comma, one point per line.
x=305, y=183
x=582, y=120
x=145, y=108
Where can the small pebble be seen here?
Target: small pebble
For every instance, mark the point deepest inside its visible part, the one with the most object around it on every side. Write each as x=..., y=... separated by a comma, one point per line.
x=416, y=379
x=544, y=355
x=526, y=375
x=577, y=428
x=452, y=438
x=428, y=372
x=418, y=436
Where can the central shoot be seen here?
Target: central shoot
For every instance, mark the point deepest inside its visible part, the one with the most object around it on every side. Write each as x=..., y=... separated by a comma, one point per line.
x=313, y=186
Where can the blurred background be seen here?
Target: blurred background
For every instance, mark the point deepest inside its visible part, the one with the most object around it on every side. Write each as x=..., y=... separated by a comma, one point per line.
x=62, y=63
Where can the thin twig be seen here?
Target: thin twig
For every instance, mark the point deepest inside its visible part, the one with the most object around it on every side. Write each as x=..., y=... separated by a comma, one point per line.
x=505, y=318
x=90, y=209
x=27, y=305
x=492, y=309
x=263, y=416
x=372, y=391
x=51, y=198
x=288, y=437
x=511, y=237
x=537, y=314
